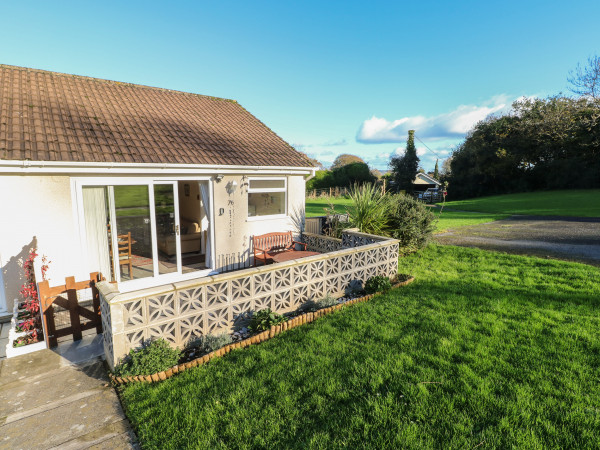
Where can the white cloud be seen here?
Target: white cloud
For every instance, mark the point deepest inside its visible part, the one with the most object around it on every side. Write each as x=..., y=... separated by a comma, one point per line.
x=454, y=124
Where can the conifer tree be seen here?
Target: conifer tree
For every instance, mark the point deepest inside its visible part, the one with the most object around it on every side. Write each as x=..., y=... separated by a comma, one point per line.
x=436, y=171
x=404, y=168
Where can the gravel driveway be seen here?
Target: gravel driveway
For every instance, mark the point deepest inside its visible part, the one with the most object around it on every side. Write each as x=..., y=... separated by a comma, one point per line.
x=566, y=238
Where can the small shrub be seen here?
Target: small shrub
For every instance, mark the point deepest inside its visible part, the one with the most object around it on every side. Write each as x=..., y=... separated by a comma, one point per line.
x=153, y=357
x=354, y=289
x=212, y=342
x=335, y=225
x=411, y=222
x=370, y=209
x=378, y=283
x=324, y=302
x=399, y=278
x=264, y=319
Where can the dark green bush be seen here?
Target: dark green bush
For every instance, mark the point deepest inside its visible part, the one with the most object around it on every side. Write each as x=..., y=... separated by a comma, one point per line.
x=264, y=319
x=411, y=222
x=378, y=283
x=152, y=357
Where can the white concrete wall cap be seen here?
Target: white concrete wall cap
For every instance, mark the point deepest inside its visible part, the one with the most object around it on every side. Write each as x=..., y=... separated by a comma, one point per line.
x=147, y=292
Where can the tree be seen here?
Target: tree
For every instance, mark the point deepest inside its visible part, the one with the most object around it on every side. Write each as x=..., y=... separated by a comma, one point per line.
x=446, y=166
x=585, y=81
x=353, y=173
x=436, y=171
x=551, y=143
x=404, y=168
x=376, y=173
x=323, y=179
x=344, y=160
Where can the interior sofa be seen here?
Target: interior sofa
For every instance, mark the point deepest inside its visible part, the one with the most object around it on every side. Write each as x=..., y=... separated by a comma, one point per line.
x=191, y=236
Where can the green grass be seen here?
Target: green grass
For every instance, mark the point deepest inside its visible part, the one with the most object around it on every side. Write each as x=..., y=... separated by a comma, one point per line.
x=581, y=203
x=316, y=206
x=450, y=219
x=447, y=220
x=484, y=349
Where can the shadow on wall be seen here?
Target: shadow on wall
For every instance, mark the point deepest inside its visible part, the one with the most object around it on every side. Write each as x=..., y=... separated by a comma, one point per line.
x=12, y=273
x=298, y=218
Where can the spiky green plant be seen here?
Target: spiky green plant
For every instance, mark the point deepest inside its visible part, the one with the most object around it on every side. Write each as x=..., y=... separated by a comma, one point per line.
x=370, y=209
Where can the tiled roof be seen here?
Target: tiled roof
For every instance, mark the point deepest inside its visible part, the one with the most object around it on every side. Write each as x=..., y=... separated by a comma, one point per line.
x=48, y=116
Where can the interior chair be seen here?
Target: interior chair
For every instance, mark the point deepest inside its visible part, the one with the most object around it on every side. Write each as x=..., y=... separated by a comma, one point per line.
x=124, y=248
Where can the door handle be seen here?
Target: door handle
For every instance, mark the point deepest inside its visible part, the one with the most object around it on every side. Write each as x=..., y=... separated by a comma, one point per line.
x=177, y=230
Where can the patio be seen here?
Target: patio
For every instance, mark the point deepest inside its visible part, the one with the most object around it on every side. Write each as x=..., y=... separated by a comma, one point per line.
x=221, y=303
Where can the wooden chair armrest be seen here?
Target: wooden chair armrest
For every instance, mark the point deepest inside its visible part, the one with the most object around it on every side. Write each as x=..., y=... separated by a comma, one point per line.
x=300, y=243
x=259, y=250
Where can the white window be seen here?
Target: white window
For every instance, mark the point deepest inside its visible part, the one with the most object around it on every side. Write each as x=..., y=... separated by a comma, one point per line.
x=267, y=197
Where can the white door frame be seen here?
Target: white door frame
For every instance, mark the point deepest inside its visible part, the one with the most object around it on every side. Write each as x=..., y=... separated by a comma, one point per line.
x=77, y=184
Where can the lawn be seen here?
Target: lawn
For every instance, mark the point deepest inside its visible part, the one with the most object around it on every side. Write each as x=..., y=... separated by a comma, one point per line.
x=446, y=220
x=581, y=203
x=316, y=206
x=449, y=219
x=484, y=350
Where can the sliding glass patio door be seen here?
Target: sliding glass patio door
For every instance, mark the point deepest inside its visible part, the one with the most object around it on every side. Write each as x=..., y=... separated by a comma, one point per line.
x=145, y=220
x=147, y=232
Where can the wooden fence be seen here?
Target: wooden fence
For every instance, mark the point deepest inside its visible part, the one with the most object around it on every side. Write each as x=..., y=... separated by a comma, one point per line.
x=328, y=192
x=337, y=191
x=62, y=302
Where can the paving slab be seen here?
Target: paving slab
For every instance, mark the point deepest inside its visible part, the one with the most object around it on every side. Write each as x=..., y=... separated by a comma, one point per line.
x=121, y=442
x=29, y=365
x=116, y=435
x=4, y=328
x=48, y=388
x=47, y=402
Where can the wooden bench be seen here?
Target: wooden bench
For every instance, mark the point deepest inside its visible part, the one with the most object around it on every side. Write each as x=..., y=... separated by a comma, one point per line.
x=267, y=245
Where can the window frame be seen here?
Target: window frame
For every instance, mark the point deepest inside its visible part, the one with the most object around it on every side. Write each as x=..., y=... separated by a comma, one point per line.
x=78, y=183
x=283, y=189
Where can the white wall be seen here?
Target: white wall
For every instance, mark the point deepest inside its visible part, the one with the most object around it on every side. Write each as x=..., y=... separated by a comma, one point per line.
x=36, y=212
x=233, y=228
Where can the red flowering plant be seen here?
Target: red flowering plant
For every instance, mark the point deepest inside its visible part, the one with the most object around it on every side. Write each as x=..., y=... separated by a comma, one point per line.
x=32, y=320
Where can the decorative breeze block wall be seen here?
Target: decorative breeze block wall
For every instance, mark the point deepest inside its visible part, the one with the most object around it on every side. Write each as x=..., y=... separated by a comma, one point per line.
x=181, y=311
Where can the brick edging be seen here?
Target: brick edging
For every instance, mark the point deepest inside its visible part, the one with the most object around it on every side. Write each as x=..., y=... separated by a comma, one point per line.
x=255, y=339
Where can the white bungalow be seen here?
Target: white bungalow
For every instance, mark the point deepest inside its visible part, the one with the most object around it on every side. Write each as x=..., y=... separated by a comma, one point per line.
x=147, y=186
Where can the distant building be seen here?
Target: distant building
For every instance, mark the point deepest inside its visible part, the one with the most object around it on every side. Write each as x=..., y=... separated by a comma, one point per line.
x=423, y=182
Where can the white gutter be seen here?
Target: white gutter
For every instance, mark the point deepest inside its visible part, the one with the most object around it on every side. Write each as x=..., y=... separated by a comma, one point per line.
x=23, y=166
x=311, y=175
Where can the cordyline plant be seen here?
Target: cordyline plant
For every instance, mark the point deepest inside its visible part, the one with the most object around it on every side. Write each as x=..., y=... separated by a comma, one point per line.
x=31, y=303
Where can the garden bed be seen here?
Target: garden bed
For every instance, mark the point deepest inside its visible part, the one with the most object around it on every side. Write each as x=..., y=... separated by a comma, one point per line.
x=21, y=342
x=244, y=339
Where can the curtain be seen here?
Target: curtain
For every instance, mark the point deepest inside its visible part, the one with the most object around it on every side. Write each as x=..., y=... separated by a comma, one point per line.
x=96, y=230
x=204, y=224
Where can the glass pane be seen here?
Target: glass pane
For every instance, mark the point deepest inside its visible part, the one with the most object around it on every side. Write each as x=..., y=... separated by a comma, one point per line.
x=134, y=233
x=193, y=225
x=266, y=204
x=164, y=206
x=267, y=184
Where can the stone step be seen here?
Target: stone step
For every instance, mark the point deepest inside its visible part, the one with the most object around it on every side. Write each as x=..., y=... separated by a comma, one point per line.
x=64, y=423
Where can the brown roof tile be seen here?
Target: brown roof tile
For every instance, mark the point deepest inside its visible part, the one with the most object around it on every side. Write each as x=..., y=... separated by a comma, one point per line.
x=48, y=116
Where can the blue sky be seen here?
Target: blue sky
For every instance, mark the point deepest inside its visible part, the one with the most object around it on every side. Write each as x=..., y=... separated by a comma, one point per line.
x=328, y=77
